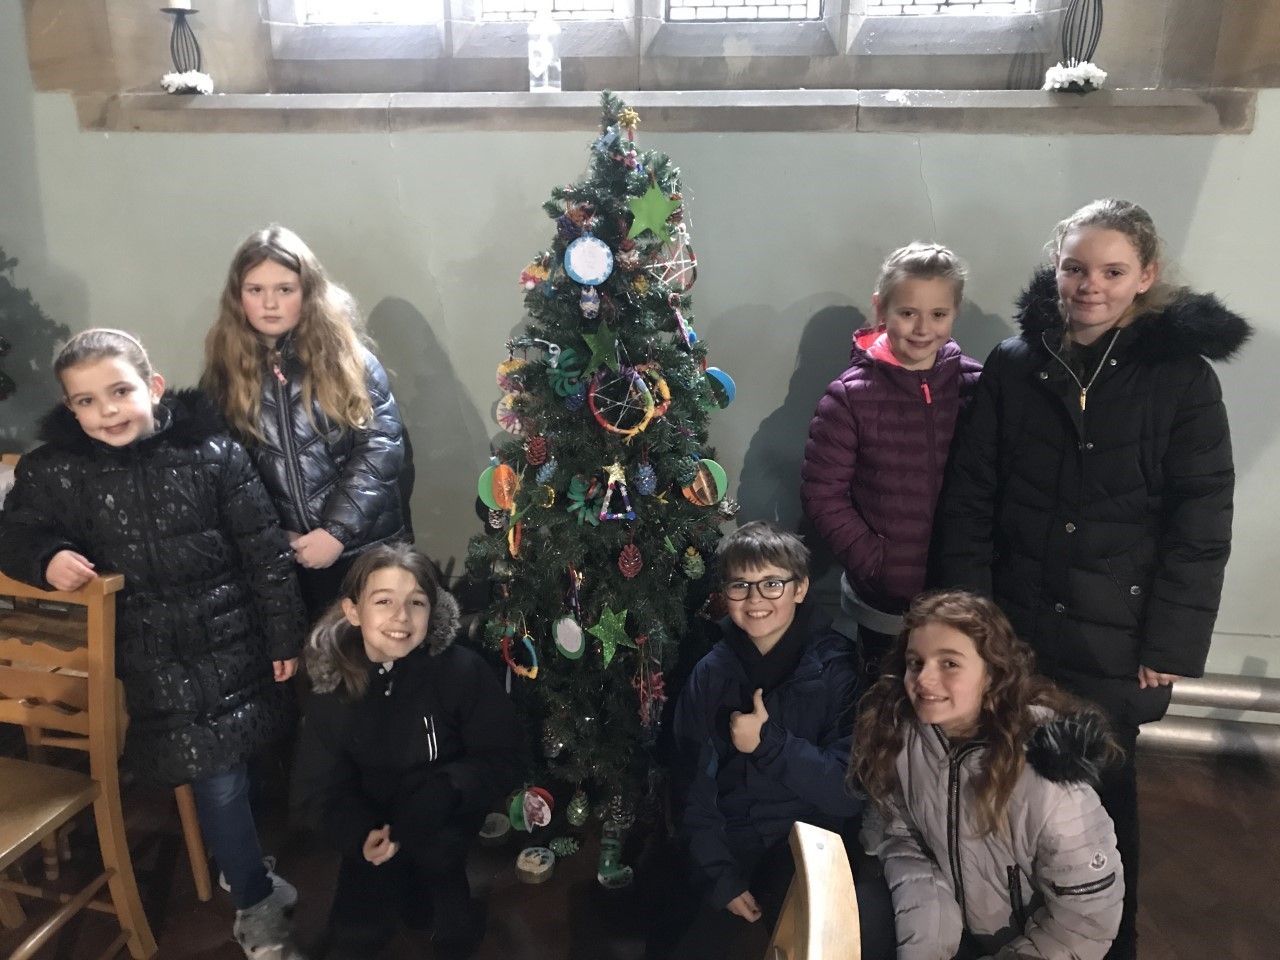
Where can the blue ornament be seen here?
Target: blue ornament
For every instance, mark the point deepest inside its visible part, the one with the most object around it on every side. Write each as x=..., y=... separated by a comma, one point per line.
x=567, y=229
x=574, y=401
x=547, y=471
x=589, y=302
x=646, y=480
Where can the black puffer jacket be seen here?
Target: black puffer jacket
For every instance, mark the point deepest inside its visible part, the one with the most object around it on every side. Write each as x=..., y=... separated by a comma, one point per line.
x=210, y=597
x=1103, y=533
x=344, y=481
x=435, y=733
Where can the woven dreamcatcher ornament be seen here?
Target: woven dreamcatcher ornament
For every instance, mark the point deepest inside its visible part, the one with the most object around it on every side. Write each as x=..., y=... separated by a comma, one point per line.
x=675, y=263
x=621, y=402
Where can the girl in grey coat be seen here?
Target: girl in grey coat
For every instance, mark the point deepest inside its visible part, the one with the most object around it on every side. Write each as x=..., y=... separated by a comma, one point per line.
x=995, y=843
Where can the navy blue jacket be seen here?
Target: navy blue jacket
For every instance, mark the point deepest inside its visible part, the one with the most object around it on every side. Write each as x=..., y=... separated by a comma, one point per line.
x=737, y=800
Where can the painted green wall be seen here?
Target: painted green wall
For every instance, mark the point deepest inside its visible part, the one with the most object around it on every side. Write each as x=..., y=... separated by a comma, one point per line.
x=430, y=231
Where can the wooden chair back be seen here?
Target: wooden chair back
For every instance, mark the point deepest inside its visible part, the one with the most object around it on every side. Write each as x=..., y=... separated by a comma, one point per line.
x=819, y=919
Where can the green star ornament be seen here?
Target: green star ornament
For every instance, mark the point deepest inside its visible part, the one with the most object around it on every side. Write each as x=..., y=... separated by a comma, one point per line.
x=604, y=349
x=651, y=212
x=611, y=631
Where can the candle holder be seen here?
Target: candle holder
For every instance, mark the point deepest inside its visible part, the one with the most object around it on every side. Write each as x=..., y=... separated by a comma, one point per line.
x=1081, y=31
x=184, y=49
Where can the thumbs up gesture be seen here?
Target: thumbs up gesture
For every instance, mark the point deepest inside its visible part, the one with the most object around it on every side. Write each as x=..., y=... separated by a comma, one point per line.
x=745, y=727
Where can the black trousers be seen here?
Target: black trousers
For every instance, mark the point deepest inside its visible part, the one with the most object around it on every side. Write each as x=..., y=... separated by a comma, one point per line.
x=418, y=886
x=1118, y=792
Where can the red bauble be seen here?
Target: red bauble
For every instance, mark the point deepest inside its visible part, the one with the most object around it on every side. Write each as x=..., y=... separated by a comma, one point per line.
x=630, y=562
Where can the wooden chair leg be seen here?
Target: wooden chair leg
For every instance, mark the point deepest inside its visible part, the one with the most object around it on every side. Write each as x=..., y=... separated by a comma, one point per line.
x=12, y=915
x=195, y=842
x=124, y=888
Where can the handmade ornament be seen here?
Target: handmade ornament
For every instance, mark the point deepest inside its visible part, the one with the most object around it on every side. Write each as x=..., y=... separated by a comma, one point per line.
x=497, y=519
x=646, y=480
x=650, y=212
x=548, y=496
x=611, y=631
x=578, y=809
x=640, y=286
x=547, y=471
x=534, y=275
x=535, y=451
x=621, y=403
x=515, y=533
x=566, y=376
x=567, y=633
x=505, y=484
x=574, y=401
x=657, y=386
x=651, y=692
x=564, y=846
x=585, y=496
x=552, y=745
x=604, y=348
x=622, y=811
x=589, y=302
x=588, y=260
x=686, y=331
x=723, y=389
x=617, y=487
x=630, y=562
x=693, y=564
x=519, y=669
x=538, y=805
x=508, y=416
x=605, y=143
x=510, y=378
x=567, y=230
x=611, y=873
x=674, y=263
x=628, y=119
x=708, y=484
x=535, y=865
x=484, y=486
x=686, y=471
x=495, y=831
x=728, y=508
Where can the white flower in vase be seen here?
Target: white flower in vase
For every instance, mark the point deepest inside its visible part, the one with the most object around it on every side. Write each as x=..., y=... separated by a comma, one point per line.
x=1074, y=77
x=192, y=81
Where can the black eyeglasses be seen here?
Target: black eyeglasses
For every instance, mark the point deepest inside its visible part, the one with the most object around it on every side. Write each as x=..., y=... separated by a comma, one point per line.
x=770, y=589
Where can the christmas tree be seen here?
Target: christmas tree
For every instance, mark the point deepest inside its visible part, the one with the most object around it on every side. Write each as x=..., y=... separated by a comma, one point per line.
x=27, y=342
x=605, y=504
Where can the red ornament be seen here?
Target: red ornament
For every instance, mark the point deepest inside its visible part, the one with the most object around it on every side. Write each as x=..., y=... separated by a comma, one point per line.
x=535, y=451
x=630, y=562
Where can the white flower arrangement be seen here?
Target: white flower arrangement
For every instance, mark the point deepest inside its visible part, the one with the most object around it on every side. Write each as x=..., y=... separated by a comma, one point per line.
x=193, y=81
x=1074, y=77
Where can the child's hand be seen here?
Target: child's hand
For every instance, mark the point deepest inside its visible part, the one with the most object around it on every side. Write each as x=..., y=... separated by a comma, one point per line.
x=744, y=905
x=68, y=571
x=378, y=848
x=1149, y=678
x=317, y=549
x=284, y=669
x=745, y=727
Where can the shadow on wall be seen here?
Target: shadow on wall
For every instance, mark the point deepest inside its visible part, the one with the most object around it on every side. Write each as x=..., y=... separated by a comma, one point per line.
x=447, y=432
x=978, y=332
x=28, y=339
x=770, y=485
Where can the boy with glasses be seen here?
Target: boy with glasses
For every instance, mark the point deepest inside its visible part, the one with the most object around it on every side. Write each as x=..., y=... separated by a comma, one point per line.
x=762, y=731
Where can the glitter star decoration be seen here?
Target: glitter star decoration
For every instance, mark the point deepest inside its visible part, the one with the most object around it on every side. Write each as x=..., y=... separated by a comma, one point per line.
x=604, y=348
x=611, y=631
x=651, y=212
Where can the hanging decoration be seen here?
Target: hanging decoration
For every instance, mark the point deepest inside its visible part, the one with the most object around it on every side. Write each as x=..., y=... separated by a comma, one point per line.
x=652, y=374
x=508, y=416
x=497, y=519
x=535, y=452
x=568, y=637
x=611, y=872
x=708, y=485
x=484, y=486
x=693, y=565
x=505, y=484
x=651, y=693
x=547, y=471
x=621, y=403
x=519, y=669
x=565, y=377
x=646, y=478
x=552, y=745
x=630, y=562
x=587, y=496
x=564, y=846
x=588, y=260
x=589, y=302
x=723, y=389
x=604, y=348
x=510, y=378
x=617, y=487
x=579, y=808
x=535, y=865
x=536, y=274
x=611, y=631
x=535, y=808
x=674, y=263
x=650, y=212
x=686, y=331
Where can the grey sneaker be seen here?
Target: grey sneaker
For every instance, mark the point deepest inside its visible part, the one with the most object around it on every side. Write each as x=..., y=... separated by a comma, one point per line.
x=263, y=930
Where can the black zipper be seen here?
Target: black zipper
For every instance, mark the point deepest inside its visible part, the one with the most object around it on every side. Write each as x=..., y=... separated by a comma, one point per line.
x=1015, y=897
x=954, y=759
x=291, y=457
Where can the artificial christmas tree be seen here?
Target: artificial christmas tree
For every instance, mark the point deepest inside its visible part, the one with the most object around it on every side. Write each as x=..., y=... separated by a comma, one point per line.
x=606, y=487
x=27, y=342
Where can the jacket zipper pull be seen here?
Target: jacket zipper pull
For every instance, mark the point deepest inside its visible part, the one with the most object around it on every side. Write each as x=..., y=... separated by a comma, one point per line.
x=928, y=397
x=275, y=368
x=1084, y=391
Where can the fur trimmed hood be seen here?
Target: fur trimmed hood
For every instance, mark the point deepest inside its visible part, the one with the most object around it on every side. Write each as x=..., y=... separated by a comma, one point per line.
x=184, y=418
x=321, y=651
x=1193, y=324
x=1069, y=749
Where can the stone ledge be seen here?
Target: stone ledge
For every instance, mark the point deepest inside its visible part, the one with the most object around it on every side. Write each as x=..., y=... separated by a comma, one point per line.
x=1157, y=112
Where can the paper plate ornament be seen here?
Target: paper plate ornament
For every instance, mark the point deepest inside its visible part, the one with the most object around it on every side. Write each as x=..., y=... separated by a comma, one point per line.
x=568, y=637
x=723, y=389
x=508, y=416
x=538, y=805
x=535, y=865
x=588, y=260
x=484, y=487
x=708, y=485
x=505, y=484
x=510, y=379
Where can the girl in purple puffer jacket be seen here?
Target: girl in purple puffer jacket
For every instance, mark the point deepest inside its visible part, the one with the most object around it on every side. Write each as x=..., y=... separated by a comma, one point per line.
x=878, y=441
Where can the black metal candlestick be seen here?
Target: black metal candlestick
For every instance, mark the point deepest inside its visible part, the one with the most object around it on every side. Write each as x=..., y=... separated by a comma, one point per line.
x=1081, y=30
x=183, y=46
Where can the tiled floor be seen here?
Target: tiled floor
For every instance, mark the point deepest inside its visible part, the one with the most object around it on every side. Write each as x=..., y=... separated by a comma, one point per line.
x=1210, y=881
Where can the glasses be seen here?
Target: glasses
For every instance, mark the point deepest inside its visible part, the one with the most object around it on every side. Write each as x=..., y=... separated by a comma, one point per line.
x=770, y=589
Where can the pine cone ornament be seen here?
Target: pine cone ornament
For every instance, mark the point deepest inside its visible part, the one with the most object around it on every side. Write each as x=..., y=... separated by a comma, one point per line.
x=574, y=401
x=622, y=811
x=578, y=809
x=535, y=451
x=688, y=470
x=630, y=562
x=497, y=518
x=547, y=471
x=728, y=508
x=646, y=480
x=693, y=565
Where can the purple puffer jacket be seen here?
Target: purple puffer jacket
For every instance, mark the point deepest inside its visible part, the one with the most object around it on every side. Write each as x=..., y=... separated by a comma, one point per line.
x=874, y=462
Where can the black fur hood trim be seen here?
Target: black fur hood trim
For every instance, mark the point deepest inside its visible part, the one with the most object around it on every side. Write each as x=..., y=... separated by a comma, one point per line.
x=1194, y=324
x=185, y=418
x=1069, y=749
x=321, y=652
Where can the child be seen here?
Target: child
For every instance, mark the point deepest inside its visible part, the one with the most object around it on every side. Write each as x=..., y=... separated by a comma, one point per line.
x=408, y=740
x=879, y=440
x=1090, y=494
x=289, y=365
x=762, y=733
x=995, y=844
x=136, y=481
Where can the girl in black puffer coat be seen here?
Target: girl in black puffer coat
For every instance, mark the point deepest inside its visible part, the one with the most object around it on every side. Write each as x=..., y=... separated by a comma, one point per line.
x=135, y=481
x=1090, y=493
x=289, y=365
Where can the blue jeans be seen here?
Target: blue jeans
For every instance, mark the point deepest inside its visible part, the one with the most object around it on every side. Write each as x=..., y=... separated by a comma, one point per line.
x=222, y=803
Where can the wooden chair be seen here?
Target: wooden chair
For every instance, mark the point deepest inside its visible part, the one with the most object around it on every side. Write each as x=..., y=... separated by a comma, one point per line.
x=819, y=918
x=54, y=850
x=61, y=677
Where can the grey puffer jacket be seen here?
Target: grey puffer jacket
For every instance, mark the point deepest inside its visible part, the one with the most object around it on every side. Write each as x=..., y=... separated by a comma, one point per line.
x=1050, y=885
x=346, y=482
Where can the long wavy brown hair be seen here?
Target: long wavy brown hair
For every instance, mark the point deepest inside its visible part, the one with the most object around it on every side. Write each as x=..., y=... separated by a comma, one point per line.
x=1006, y=720
x=329, y=339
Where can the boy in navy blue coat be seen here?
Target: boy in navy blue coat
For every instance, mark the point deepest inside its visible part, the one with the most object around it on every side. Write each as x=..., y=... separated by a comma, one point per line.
x=762, y=732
